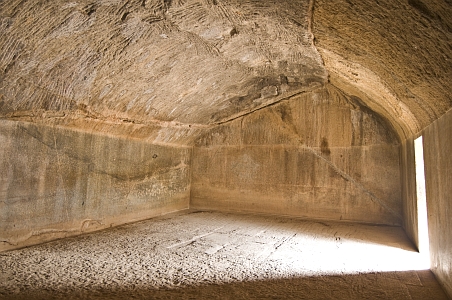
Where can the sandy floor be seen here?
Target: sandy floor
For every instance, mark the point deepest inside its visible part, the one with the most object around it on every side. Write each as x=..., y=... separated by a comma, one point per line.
x=205, y=255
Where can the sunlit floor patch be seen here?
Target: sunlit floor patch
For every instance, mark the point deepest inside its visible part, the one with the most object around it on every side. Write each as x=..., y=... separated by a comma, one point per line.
x=188, y=253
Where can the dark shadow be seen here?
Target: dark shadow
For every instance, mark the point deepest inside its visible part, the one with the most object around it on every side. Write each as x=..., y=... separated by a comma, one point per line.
x=390, y=285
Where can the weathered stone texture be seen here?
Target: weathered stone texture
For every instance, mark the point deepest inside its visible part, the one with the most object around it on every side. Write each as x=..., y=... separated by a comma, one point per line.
x=57, y=182
x=398, y=53
x=437, y=140
x=143, y=61
x=294, y=107
x=319, y=155
x=222, y=256
x=408, y=172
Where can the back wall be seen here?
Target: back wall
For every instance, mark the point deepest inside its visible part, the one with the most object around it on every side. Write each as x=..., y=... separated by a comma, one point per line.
x=317, y=155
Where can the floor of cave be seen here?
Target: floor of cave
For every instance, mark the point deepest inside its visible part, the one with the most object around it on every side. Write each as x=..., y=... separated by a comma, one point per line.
x=213, y=255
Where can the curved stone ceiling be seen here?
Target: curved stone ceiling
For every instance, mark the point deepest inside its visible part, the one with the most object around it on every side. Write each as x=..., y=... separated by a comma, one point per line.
x=139, y=66
x=395, y=55
x=185, y=61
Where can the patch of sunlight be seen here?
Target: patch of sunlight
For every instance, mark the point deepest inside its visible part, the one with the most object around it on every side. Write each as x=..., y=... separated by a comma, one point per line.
x=421, y=200
x=329, y=257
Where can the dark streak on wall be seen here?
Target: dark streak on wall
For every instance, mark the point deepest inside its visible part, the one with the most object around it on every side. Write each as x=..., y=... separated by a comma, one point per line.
x=318, y=155
x=57, y=182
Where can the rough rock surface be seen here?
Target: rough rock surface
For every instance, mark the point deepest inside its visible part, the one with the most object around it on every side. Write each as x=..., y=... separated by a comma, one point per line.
x=143, y=61
x=201, y=62
x=114, y=74
x=438, y=171
x=319, y=155
x=396, y=55
x=58, y=182
x=221, y=256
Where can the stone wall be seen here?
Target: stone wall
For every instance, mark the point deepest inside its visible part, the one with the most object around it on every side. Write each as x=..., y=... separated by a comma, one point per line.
x=58, y=182
x=438, y=175
x=318, y=155
x=408, y=170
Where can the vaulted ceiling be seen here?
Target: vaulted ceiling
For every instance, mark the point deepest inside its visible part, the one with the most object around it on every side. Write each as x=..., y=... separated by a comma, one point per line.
x=164, y=70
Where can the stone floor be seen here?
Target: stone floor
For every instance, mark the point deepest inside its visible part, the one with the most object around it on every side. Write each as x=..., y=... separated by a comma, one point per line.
x=210, y=255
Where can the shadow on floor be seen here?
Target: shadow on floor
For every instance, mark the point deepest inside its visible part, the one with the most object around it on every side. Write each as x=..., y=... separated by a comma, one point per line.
x=389, y=285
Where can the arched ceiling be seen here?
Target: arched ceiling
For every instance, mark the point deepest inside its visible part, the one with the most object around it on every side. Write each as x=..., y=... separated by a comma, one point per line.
x=395, y=55
x=135, y=67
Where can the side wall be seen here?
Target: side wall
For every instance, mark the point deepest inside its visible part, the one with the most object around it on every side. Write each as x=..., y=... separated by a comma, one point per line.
x=319, y=155
x=437, y=140
x=57, y=182
x=408, y=171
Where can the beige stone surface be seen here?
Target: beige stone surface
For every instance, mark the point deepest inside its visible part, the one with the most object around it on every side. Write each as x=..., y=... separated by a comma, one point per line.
x=57, y=182
x=320, y=155
x=409, y=197
x=296, y=107
x=398, y=53
x=207, y=255
x=143, y=61
x=438, y=171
